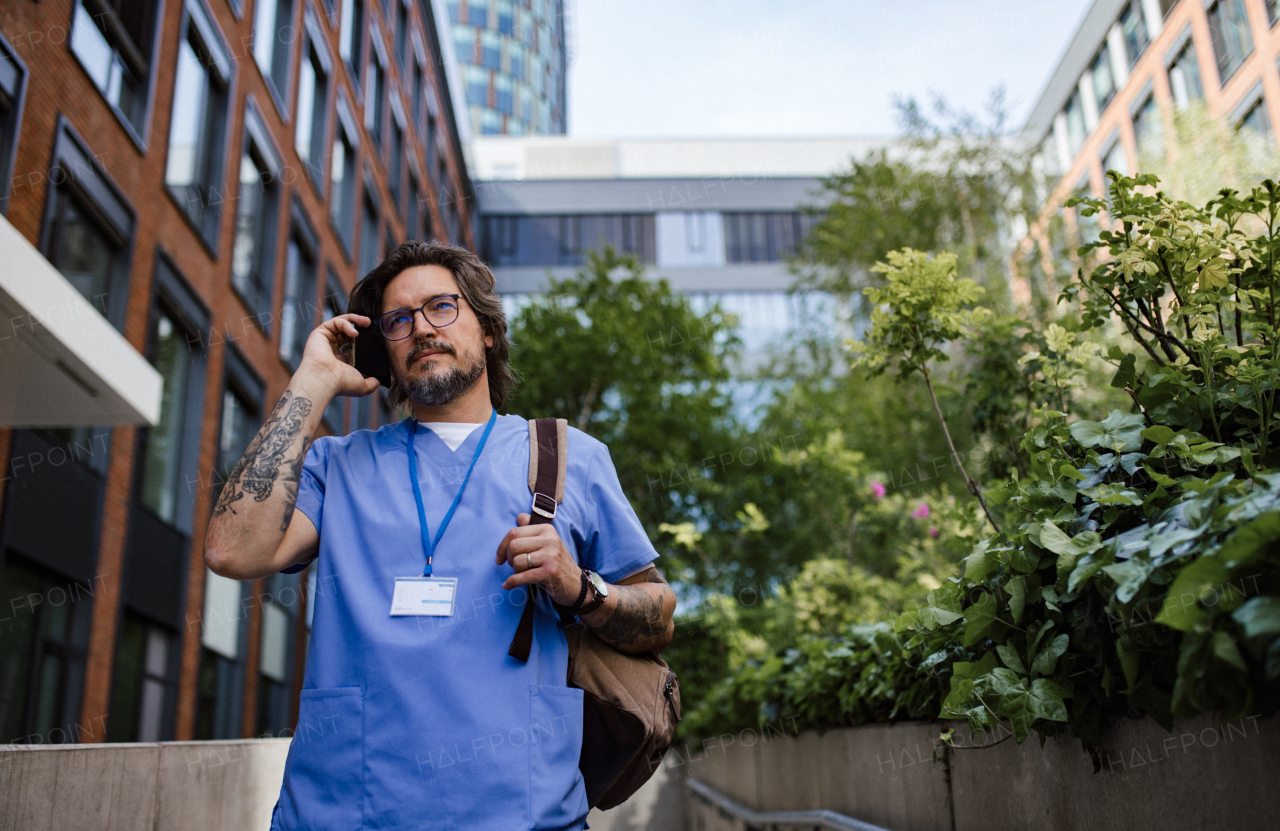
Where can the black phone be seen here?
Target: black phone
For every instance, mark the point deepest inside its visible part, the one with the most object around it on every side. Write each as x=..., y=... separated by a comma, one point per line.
x=368, y=354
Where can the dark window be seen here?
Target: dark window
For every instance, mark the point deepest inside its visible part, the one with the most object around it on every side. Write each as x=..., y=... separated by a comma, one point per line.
x=1232, y=43
x=478, y=13
x=416, y=86
x=1184, y=77
x=280, y=607
x=273, y=33
x=13, y=87
x=164, y=455
x=1148, y=131
x=253, y=253
x=400, y=24
x=395, y=164
x=764, y=237
x=334, y=302
x=197, y=129
x=42, y=655
x=88, y=228
x=506, y=18
x=413, y=210
x=141, y=680
x=566, y=239
x=114, y=40
x=375, y=93
x=298, y=312
x=369, y=236
x=312, y=116
x=1077, y=130
x=342, y=191
x=1134, y=28
x=1273, y=11
x=491, y=50
x=1256, y=121
x=351, y=35
x=1104, y=80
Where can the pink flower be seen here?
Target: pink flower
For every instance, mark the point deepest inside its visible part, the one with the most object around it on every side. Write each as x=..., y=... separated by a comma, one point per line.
x=933, y=532
x=922, y=511
x=877, y=489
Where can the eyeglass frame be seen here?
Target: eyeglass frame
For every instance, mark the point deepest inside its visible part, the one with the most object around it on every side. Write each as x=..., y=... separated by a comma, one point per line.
x=423, y=309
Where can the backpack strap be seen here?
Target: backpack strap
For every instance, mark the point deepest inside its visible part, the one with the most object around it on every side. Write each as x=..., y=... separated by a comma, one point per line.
x=548, y=458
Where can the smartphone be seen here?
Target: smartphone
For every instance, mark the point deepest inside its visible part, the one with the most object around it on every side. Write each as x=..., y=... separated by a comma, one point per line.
x=368, y=354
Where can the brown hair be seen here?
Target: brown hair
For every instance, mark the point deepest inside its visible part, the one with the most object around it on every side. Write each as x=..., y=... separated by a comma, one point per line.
x=475, y=282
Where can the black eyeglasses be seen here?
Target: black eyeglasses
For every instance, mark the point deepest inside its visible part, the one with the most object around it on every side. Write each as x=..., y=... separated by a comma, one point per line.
x=438, y=311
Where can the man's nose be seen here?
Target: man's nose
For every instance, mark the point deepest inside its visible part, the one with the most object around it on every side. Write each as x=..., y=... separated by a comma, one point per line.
x=423, y=328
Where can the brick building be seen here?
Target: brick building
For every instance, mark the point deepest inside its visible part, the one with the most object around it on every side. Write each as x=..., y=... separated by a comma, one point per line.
x=213, y=176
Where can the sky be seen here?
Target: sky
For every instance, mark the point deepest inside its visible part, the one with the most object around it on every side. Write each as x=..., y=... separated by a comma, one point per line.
x=685, y=68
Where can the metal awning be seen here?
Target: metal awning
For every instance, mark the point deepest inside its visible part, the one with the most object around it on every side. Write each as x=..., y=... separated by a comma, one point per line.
x=61, y=363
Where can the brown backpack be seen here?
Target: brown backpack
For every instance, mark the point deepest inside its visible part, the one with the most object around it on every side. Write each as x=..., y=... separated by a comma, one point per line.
x=630, y=703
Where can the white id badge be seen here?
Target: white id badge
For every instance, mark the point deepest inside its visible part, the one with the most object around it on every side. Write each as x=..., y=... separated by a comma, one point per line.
x=431, y=596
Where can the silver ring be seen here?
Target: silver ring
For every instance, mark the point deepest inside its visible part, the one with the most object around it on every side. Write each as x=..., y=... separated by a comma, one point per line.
x=528, y=562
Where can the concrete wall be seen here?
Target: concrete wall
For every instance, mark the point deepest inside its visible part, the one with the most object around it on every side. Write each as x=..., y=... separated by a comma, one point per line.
x=1200, y=776
x=167, y=786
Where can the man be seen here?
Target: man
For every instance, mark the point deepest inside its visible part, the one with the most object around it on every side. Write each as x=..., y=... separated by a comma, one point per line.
x=412, y=713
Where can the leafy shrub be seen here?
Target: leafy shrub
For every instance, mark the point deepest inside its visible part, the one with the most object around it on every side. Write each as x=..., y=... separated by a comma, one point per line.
x=1137, y=571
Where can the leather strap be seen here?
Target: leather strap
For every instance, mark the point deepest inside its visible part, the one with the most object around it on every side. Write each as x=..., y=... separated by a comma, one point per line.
x=548, y=438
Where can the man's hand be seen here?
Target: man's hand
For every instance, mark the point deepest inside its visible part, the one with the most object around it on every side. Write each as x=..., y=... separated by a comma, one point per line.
x=538, y=555
x=323, y=362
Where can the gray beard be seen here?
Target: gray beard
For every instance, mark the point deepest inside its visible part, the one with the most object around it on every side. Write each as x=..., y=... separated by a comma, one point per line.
x=435, y=388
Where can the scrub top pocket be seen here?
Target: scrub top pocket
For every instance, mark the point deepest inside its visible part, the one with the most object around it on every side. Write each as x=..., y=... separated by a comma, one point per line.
x=557, y=796
x=324, y=772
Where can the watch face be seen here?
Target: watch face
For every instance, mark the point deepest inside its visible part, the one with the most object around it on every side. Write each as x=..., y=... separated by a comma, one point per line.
x=599, y=584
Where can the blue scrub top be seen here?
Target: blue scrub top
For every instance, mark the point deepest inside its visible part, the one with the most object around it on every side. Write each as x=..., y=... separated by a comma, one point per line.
x=426, y=722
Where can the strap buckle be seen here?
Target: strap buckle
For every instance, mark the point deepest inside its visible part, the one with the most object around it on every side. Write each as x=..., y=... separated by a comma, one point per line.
x=549, y=513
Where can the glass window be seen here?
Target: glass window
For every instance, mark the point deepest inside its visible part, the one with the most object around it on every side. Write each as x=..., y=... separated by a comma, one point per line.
x=253, y=255
x=415, y=70
x=491, y=50
x=273, y=32
x=332, y=308
x=113, y=41
x=413, y=210
x=401, y=25
x=502, y=94
x=764, y=237
x=342, y=193
x=311, y=122
x=1077, y=131
x=1104, y=80
x=374, y=95
x=395, y=163
x=369, y=237
x=140, y=683
x=1184, y=77
x=565, y=239
x=82, y=249
x=240, y=422
x=1232, y=43
x=280, y=607
x=350, y=34
x=464, y=43
x=477, y=85
x=1134, y=28
x=1273, y=11
x=1148, y=132
x=193, y=168
x=13, y=83
x=162, y=457
x=478, y=13
x=1256, y=121
x=42, y=654
x=298, y=313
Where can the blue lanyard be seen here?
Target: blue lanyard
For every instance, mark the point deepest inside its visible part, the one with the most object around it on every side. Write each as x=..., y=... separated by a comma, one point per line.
x=429, y=544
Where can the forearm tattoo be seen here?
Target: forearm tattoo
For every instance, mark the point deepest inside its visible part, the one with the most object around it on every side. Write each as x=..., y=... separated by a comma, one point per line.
x=638, y=619
x=256, y=472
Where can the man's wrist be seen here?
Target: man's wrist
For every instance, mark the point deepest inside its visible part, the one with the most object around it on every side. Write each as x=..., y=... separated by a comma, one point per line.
x=315, y=384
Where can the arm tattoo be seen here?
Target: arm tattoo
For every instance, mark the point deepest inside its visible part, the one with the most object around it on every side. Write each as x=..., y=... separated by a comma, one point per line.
x=638, y=615
x=258, y=468
x=293, y=476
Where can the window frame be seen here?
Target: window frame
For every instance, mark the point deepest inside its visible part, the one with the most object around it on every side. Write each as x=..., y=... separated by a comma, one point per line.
x=300, y=228
x=211, y=161
x=87, y=181
x=347, y=131
x=315, y=41
x=279, y=90
x=1225, y=71
x=14, y=85
x=138, y=134
x=258, y=137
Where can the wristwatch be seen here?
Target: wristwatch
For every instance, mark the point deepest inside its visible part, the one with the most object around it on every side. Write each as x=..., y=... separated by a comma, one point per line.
x=593, y=584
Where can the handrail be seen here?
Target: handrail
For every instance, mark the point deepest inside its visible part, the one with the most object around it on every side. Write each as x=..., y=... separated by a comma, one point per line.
x=765, y=819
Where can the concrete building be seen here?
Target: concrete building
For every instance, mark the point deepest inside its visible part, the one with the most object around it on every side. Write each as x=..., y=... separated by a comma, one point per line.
x=718, y=218
x=189, y=187
x=1131, y=59
x=513, y=58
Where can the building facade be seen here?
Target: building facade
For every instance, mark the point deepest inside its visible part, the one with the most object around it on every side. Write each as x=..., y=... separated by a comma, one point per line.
x=513, y=59
x=718, y=218
x=1130, y=61
x=212, y=177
